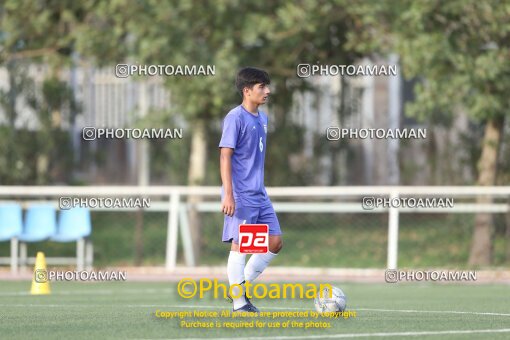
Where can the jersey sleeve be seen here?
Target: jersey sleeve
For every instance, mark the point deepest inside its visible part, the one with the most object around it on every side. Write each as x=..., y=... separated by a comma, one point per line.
x=231, y=127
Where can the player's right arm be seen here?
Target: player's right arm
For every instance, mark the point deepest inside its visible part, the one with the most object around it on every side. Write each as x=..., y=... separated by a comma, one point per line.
x=228, y=204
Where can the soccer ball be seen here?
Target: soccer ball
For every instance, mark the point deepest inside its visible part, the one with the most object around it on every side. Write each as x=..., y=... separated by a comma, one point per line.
x=335, y=303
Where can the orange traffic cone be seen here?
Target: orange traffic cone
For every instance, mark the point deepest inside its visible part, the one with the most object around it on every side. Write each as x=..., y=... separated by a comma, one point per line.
x=40, y=284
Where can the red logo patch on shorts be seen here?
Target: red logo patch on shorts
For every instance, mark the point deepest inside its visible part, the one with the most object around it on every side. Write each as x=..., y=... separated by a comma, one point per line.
x=253, y=238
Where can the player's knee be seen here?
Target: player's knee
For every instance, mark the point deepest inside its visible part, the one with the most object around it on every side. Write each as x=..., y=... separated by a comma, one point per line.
x=276, y=246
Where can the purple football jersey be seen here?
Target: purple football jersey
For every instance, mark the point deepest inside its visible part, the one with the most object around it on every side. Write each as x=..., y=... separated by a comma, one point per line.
x=246, y=134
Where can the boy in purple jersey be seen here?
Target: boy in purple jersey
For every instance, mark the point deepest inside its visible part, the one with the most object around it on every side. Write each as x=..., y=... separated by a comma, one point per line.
x=244, y=197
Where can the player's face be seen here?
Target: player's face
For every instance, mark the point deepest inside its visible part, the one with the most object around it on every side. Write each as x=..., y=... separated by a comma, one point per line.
x=259, y=93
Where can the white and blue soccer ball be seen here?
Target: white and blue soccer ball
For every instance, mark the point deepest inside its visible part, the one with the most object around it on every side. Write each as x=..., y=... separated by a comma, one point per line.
x=336, y=303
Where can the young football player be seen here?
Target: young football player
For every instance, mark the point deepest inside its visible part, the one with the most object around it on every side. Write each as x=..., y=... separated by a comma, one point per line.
x=244, y=197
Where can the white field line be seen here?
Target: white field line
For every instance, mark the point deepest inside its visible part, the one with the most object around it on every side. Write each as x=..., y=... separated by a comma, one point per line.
x=359, y=335
x=98, y=292
x=432, y=311
x=267, y=308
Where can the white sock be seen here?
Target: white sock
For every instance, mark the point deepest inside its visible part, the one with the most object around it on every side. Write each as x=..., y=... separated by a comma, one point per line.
x=235, y=271
x=256, y=265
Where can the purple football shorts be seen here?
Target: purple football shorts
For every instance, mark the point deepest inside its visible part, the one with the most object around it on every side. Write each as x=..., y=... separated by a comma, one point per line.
x=250, y=215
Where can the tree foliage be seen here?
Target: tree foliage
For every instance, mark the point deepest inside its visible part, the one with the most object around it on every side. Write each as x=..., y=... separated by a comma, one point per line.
x=458, y=48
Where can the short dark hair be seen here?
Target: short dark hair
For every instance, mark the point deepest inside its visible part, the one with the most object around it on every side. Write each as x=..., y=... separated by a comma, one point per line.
x=249, y=76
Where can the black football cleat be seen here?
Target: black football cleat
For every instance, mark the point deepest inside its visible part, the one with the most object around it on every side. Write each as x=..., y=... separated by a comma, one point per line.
x=247, y=308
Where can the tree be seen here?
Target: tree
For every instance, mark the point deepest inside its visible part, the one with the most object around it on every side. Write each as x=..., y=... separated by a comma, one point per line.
x=460, y=51
x=32, y=32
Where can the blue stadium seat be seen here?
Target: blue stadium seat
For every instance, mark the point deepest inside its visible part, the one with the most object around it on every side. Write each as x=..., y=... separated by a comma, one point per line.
x=74, y=225
x=40, y=223
x=11, y=226
x=11, y=221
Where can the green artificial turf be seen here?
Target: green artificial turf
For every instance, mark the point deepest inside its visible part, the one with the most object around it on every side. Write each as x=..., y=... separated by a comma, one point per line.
x=127, y=310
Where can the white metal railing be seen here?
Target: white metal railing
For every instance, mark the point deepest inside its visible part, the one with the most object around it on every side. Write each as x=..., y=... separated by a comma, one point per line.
x=171, y=200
